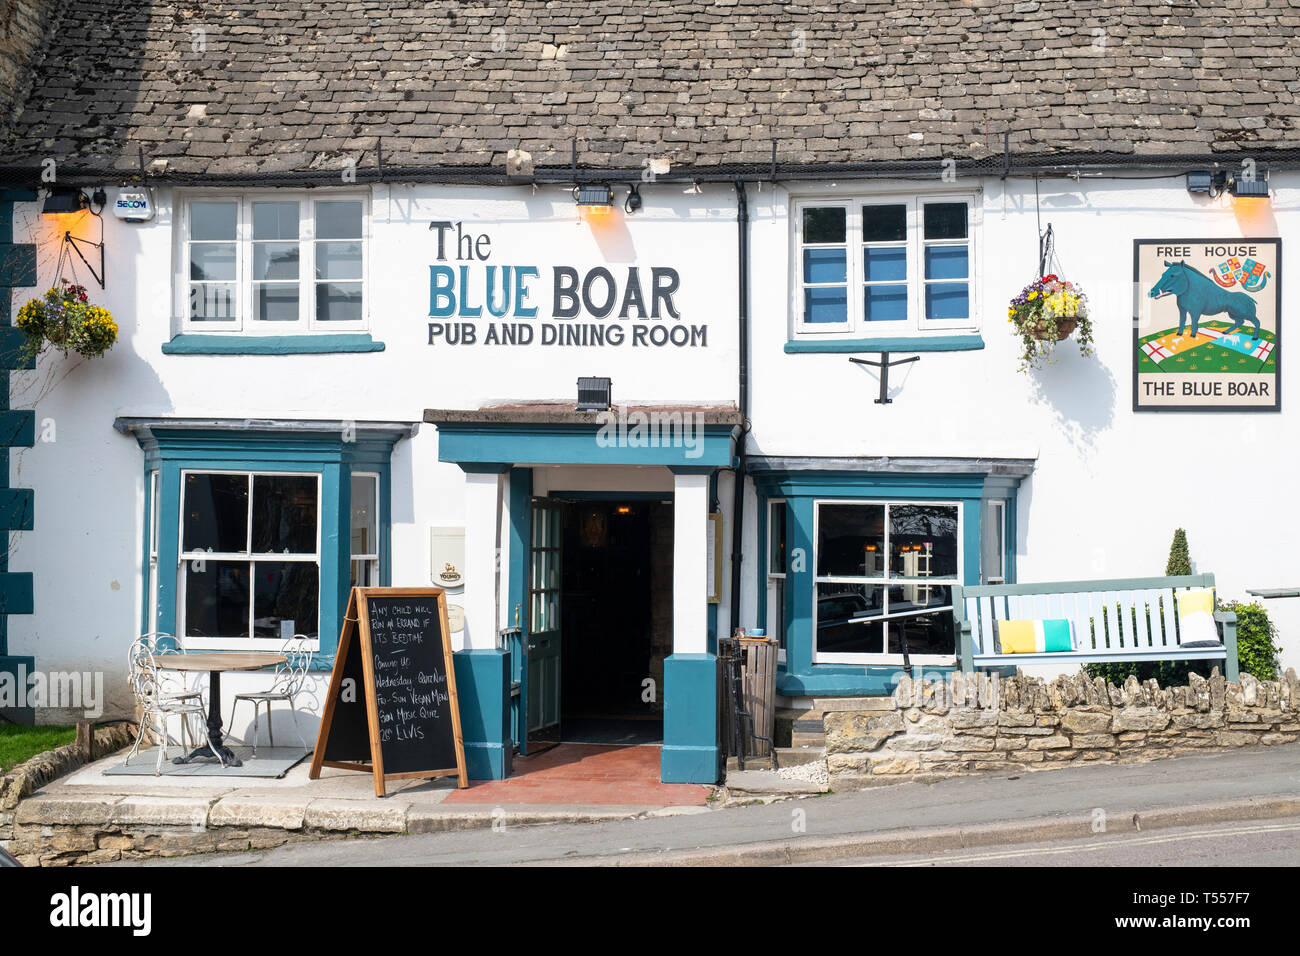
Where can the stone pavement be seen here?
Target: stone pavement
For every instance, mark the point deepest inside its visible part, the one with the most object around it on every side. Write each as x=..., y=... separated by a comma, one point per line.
x=90, y=817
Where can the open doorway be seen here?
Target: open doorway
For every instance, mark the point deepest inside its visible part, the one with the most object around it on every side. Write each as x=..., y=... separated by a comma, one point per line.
x=614, y=605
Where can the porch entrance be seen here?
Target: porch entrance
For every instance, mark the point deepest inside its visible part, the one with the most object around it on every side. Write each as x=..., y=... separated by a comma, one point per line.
x=601, y=604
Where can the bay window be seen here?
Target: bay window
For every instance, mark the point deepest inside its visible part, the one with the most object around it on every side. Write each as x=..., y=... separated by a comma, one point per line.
x=883, y=266
x=272, y=263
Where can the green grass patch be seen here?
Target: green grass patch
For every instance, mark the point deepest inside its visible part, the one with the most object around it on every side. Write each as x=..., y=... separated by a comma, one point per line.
x=19, y=744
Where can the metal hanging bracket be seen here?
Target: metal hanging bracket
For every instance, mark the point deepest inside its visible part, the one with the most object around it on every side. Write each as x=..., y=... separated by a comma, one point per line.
x=885, y=365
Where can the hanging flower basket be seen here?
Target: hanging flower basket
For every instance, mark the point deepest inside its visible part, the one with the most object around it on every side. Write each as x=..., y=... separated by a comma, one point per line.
x=1047, y=311
x=64, y=318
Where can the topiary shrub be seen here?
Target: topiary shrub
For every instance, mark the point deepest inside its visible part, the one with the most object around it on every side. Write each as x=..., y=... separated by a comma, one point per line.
x=1180, y=561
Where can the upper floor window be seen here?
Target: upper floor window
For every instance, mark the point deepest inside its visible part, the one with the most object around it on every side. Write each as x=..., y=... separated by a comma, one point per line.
x=273, y=263
x=883, y=266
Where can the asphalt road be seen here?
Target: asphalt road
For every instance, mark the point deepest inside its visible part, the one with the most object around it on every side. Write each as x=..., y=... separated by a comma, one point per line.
x=1268, y=843
x=1254, y=787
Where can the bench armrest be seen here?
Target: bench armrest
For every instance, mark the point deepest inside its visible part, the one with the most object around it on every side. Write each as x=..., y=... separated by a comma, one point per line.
x=965, y=648
x=1228, y=622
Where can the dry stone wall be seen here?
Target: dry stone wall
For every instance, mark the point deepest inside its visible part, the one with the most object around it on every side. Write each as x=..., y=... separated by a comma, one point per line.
x=980, y=723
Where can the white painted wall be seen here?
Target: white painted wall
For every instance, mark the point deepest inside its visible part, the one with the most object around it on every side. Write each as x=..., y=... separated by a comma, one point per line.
x=1110, y=485
x=1109, y=488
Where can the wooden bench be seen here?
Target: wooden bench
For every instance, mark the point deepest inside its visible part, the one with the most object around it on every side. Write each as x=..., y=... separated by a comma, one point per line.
x=1133, y=619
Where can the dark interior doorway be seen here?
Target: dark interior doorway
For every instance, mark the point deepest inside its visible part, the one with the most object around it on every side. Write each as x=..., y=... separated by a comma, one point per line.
x=616, y=620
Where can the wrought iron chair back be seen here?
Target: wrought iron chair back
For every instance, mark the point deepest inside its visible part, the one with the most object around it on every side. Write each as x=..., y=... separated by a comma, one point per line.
x=290, y=675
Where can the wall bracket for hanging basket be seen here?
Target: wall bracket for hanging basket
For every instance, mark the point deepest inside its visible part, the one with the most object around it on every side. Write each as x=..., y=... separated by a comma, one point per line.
x=884, y=365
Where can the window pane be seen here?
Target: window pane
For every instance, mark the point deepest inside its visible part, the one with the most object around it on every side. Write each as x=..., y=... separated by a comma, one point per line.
x=829, y=304
x=215, y=261
x=213, y=220
x=212, y=302
x=275, y=220
x=338, y=220
x=992, y=547
x=825, y=265
x=216, y=513
x=930, y=633
x=216, y=598
x=849, y=619
x=275, y=260
x=365, y=574
x=884, y=303
x=947, y=300
x=364, y=515
x=275, y=302
x=776, y=610
x=825, y=224
x=884, y=264
x=884, y=223
x=851, y=541
x=284, y=514
x=945, y=220
x=923, y=541
x=285, y=591
x=776, y=538
x=338, y=301
x=338, y=260
x=946, y=262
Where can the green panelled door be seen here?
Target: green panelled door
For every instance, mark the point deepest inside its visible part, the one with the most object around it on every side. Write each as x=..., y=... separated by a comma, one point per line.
x=541, y=690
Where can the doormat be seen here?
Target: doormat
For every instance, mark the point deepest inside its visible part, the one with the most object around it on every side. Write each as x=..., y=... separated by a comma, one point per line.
x=270, y=762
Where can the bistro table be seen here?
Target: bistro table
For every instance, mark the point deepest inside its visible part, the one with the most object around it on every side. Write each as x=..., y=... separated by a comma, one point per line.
x=215, y=662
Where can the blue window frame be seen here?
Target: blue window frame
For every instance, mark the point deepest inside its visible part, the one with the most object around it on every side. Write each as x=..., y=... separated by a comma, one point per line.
x=304, y=541
x=967, y=516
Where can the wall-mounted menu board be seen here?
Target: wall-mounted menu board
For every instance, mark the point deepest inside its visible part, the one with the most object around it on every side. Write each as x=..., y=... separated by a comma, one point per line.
x=392, y=708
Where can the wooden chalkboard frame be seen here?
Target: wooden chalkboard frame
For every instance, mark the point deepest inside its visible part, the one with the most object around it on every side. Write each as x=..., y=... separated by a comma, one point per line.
x=357, y=619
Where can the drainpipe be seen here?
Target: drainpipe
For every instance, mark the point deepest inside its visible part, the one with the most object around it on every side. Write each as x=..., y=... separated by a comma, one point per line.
x=738, y=505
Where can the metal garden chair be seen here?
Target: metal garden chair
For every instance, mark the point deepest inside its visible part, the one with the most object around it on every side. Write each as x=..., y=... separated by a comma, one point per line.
x=172, y=688
x=285, y=686
x=157, y=703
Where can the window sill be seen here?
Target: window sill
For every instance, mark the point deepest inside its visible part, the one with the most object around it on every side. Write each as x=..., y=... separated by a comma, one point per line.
x=935, y=343
x=191, y=343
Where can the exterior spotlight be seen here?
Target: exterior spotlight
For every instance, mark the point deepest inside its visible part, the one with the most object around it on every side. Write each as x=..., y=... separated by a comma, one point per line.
x=601, y=197
x=61, y=200
x=1257, y=188
x=595, y=394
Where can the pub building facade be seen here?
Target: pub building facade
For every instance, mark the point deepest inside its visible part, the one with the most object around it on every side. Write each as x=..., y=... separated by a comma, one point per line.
x=352, y=362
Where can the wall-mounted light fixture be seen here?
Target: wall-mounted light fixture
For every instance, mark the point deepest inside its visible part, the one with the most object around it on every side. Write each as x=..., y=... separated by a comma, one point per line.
x=61, y=200
x=595, y=394
x=1254, y=187
x=594, y=197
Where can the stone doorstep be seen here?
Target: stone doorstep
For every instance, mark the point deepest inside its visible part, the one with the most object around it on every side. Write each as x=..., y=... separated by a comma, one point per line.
x=768, y=783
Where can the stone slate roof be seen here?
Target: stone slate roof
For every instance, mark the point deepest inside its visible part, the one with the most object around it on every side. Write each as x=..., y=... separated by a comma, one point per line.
x=306, y=85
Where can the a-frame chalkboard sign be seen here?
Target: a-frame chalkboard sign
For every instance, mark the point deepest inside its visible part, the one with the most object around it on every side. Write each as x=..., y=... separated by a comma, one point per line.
x=392, y=708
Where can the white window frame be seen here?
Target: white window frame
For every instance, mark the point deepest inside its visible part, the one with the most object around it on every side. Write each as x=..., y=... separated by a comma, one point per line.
x=184, y=557
x=884, y=581
x=776, y=626
x=243, y=322
x=857, y=326
x=372, y=557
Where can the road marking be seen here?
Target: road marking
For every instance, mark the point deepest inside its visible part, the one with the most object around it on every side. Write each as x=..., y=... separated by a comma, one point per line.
x=1102, y=844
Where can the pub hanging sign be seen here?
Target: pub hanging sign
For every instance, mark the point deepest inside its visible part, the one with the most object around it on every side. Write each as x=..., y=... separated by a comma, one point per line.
x=1207, y=325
